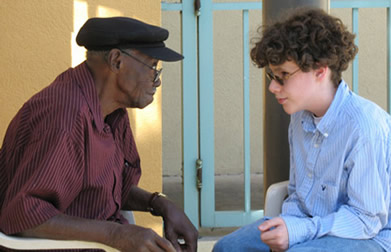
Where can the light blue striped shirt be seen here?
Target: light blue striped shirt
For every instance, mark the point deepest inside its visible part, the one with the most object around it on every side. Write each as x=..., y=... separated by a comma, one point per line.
x=340, y=172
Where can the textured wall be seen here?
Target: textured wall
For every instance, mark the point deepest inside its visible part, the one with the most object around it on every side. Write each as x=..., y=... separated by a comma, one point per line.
x=37, y=44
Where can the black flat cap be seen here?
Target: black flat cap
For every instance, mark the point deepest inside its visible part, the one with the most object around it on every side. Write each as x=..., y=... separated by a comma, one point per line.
x=121, y=32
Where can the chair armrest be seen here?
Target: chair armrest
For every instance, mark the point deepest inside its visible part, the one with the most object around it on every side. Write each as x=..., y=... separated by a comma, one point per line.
x=275, y=195
x=36, y=243
x=15, y=242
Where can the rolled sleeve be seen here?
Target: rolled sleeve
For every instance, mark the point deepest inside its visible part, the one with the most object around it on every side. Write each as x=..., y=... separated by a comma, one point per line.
x=45, y=182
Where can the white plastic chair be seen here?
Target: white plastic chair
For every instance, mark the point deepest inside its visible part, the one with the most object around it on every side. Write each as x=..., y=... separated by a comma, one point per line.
x=14, y=242
x=275, y=195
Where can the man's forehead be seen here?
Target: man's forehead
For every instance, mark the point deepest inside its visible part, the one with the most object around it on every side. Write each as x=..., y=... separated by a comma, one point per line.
x=287, y=65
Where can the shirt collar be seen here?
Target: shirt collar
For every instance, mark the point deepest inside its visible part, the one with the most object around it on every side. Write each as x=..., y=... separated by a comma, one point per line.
x=329, y=119
x=85, y=81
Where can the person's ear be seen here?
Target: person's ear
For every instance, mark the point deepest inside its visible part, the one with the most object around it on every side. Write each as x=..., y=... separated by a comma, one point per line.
x=114, y=60
x=321, y=72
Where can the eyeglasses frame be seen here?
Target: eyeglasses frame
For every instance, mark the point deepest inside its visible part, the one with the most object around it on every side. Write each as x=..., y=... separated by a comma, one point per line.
x=158, y=72
x=271, y=76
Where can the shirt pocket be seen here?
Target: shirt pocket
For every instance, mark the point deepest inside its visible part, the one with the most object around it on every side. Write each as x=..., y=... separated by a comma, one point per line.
x=327, y=199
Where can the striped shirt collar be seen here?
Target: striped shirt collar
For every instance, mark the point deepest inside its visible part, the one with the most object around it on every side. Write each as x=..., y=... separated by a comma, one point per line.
x=85, y=81
x=328, y=121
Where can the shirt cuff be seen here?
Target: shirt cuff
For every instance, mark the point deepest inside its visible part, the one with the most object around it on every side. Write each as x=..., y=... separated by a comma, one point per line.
x=298, y=230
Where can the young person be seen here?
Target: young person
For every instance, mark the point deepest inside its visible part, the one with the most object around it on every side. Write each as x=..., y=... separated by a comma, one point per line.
x=340, y=145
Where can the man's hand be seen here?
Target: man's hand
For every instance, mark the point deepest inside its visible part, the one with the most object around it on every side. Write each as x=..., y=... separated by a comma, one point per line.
x=124, y=237
x=275, y=234
x=178, y=226
x=135, y=238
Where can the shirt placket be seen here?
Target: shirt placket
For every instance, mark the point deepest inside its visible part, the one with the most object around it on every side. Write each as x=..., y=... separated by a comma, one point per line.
x=116, y=190
x=313, y=153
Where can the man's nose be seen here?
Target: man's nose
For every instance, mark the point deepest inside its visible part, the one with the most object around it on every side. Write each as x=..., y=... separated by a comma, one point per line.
x=157, y=83
x=274, y=87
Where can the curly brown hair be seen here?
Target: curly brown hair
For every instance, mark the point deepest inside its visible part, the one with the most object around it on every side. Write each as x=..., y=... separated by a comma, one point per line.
x=311, y=38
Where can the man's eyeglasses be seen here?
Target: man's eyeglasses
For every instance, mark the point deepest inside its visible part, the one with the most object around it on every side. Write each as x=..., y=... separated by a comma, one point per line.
x=280, y=80
x=158, y=72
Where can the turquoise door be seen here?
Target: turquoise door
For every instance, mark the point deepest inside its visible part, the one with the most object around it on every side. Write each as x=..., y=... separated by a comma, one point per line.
x=210, y=10
x=198, y=95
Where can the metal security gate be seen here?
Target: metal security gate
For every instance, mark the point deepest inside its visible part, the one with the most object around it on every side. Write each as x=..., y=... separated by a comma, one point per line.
x=209, y=216
x=198, y=101
x=199, y=112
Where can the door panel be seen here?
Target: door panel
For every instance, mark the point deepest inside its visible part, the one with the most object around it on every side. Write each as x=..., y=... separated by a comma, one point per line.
x=219, y=85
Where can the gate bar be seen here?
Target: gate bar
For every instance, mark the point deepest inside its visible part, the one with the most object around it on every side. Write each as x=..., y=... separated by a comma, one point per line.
x=246, y=113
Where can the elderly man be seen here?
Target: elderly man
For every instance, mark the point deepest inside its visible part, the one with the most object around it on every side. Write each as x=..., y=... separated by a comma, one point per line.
x=69, y=162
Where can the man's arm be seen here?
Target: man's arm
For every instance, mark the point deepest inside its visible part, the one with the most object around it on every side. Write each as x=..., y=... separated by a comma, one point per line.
x=121, y=237
x=176, y=224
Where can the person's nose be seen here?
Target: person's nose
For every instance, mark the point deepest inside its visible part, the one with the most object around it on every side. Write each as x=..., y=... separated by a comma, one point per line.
x=157, y=83
x=274, y=87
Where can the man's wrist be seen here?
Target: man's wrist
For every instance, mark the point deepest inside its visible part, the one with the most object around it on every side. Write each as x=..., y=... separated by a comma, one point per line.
x=154, y=196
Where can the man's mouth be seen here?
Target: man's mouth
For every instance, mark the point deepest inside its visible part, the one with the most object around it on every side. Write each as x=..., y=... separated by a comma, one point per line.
x=153, y=91
x=281, y=100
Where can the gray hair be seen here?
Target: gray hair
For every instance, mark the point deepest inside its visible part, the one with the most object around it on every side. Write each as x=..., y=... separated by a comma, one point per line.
x=92, y=54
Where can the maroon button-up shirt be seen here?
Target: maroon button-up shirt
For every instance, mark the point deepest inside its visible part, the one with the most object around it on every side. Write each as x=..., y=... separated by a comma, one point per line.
x=60, y=156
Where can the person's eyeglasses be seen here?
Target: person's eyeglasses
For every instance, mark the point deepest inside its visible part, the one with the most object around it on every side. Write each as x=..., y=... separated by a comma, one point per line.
x=280, y=80
x=158, y=72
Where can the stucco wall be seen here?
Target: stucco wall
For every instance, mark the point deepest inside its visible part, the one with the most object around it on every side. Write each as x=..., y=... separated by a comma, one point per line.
x=37, y=44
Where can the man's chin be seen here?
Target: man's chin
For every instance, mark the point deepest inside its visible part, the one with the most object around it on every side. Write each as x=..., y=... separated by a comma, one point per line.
x=288, y=110
x=143, y=105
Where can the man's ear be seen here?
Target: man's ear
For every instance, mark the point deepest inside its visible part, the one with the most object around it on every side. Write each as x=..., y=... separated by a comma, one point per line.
x=114, y=60
x=321, y=72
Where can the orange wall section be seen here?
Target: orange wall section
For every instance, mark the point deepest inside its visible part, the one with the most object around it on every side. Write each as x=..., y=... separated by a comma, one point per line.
x=37, y=44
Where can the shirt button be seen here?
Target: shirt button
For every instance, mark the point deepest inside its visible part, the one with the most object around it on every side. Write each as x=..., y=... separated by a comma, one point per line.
x=106, y=129
x=316, y=145
x=325, y=135
x=309, y=175
x=126, y=163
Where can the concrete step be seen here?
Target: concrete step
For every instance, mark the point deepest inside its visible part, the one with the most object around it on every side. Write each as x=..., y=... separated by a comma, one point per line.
x=229, y=194
x=229, y=191
x=205, y=244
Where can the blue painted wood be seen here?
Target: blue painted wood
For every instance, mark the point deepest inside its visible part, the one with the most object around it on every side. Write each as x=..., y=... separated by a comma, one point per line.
x=359, y=3
x=172, y=6
x=246, y=112
x=190, y=112
x=206, y=108
x=236, y=218
x=389, y=58
x=355, y=61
